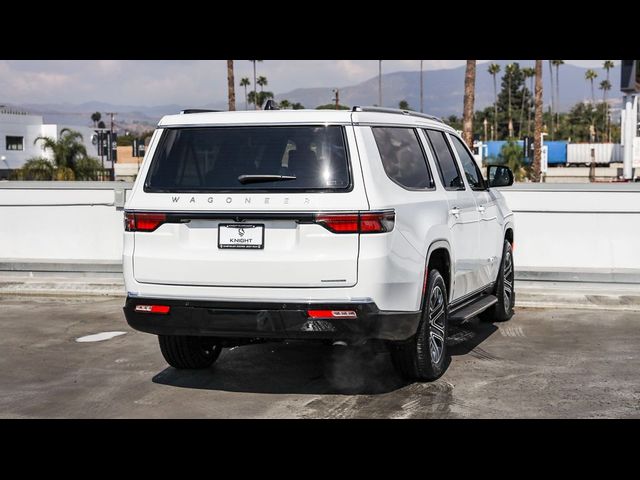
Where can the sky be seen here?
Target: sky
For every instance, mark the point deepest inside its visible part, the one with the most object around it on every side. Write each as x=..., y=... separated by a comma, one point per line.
x=196, y=82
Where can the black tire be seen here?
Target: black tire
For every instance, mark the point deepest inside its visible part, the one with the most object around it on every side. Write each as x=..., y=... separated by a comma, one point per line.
x=424, y=356
x=184, y=352
x=504, y=289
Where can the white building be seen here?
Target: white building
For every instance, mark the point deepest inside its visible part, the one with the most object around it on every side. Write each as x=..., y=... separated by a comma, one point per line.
x=18, y=133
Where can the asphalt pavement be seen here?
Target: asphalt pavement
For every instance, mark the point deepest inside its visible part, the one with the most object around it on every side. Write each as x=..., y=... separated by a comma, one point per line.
x=75, y=357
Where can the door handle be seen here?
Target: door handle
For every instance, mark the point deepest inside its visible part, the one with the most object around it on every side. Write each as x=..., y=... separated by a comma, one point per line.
x=481, y=209
x=455, y=211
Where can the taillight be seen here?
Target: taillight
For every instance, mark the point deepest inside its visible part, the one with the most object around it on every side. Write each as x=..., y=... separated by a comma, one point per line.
x=332, y=314
x=143, y=222
x=161, y=309
x=377, y=222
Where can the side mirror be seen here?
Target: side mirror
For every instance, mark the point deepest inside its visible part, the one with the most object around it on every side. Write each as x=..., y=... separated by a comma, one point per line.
x=499, y=176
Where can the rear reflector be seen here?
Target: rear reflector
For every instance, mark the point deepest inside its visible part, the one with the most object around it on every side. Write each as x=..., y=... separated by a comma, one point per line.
x=332, y=314
x=377, y=222
x=143, y=222
x=161, y=309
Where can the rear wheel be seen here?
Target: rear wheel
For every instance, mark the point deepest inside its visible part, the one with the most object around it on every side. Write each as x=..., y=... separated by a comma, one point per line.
x=505, y=291
x=185, y=352
x=424, y=356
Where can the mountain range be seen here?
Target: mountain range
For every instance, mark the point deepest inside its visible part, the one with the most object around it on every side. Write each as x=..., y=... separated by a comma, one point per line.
x=443, y=94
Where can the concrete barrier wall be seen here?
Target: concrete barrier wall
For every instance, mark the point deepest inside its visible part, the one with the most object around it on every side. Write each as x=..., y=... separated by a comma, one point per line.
x=69, y=222
x=561, y=227
x=576, y=227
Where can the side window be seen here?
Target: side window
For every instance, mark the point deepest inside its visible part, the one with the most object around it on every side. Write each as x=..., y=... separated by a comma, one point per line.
x=449, y=173
x=469, y=165
x=402, y=157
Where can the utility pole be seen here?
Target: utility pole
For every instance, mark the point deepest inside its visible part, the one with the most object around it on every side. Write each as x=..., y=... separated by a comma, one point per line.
x=110, y=154
x=421, y=90
x=337, y=99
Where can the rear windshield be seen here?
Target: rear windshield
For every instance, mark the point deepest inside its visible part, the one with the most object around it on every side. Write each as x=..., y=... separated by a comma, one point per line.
x=263, y=158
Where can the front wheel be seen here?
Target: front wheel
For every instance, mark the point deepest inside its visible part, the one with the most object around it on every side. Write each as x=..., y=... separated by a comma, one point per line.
x=504, y=290
x=185, y=352
x=424, y=356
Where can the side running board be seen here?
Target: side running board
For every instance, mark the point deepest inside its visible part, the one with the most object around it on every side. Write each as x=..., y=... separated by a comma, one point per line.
x=473, y=309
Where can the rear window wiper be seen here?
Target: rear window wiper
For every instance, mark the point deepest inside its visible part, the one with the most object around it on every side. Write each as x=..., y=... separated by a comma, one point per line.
x=244, y=179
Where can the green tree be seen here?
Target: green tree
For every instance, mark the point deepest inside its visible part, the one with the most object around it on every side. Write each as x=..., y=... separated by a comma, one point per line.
x=297, y=106
x=590, y=76
x=244, y=82
x=37, y=168
x=494, y=70
x=510, y=101
x=512, y=155
x=509, y=72
x=259, y=99
x=95, y=118
x=403, y=105
x=332, y=106
x=557, y=64
x=255, y=79
x=285, y=104
x=529, y=73
x=608, y=65
x=70, y=158
x=262, y=82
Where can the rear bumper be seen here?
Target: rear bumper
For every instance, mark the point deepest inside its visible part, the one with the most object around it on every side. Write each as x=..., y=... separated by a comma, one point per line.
x=270, y=320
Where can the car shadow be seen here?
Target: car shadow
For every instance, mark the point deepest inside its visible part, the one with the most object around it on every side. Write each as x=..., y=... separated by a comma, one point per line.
x=310, y=368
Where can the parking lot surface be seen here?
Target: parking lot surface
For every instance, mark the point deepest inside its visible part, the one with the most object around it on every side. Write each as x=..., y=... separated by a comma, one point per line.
x=544, y=363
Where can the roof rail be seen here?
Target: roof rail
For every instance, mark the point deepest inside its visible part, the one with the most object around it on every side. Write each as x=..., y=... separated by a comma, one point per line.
x=198, y=110
x=397, y=111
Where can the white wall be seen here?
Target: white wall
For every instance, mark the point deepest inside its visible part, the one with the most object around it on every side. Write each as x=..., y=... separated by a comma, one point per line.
x=558, y=226
x=59, y=221
x=568, y=226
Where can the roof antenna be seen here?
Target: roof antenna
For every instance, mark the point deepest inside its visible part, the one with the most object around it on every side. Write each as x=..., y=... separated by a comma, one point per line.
x=271, y=105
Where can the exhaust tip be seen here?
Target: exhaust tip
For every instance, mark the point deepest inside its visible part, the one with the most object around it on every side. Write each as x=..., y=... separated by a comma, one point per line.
x=339, y=343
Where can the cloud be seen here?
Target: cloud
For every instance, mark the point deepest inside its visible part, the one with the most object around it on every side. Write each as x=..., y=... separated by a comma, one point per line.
x=184, y=82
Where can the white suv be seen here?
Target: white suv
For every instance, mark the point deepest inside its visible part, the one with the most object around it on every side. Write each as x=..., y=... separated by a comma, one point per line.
x=343, y=226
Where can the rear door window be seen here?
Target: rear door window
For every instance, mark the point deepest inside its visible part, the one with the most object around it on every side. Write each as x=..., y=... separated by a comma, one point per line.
x=402, y=157
x=207, y=159
x=448, y=169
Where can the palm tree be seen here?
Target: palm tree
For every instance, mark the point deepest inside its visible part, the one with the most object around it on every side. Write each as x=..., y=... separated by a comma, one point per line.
x=494, y=70
x=605, y=86
x=95, y=118
x=537, y=141
x=255, y=80
x=469, y=98
x=259, y=98
x=262, y=81
x=608, y=65
x=590, y=76
x=529, y=73
x=553, y=100
x=231, y=84
x=509, y=71
x=70, y=158
x=557, y=64
x=244, y=82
